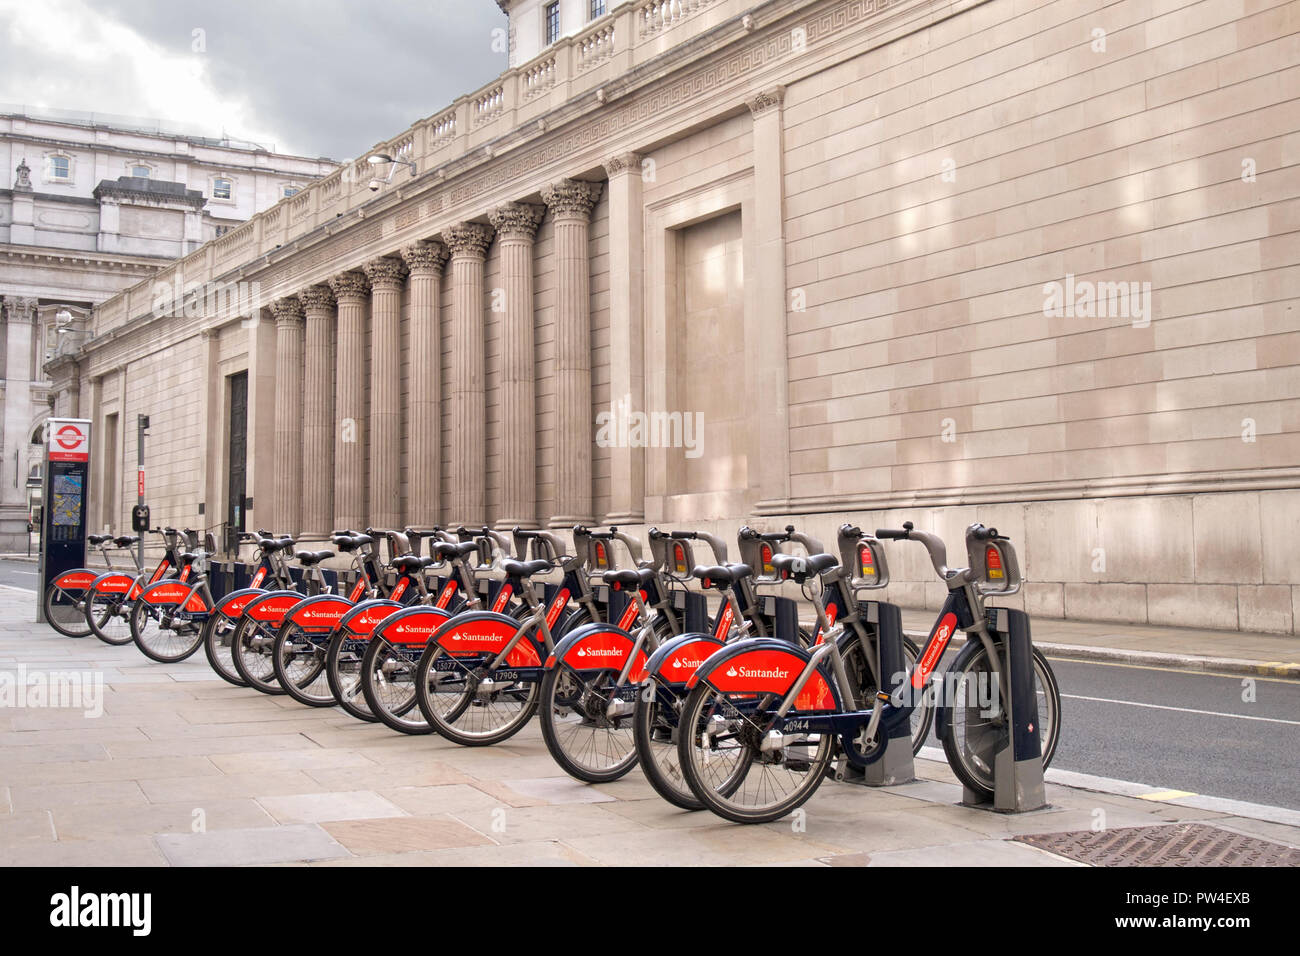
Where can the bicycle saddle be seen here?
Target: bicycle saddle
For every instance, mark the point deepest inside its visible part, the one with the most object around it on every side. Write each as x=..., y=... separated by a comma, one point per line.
x=524, y=569
x=98, y=539
x=454, y=549
x=188, y=556
x=802, y=568
x=719, y=575
x=308, y=558
x=126, y=540
x=629, y=577
x=410, y=562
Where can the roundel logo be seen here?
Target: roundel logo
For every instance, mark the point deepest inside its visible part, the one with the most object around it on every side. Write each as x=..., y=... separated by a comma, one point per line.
x=582, y=652
x=69, y=441
x=69, y=438
x=731, y=671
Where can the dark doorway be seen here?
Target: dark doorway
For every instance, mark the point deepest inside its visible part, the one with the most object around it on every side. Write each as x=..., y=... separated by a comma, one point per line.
x=236, y=486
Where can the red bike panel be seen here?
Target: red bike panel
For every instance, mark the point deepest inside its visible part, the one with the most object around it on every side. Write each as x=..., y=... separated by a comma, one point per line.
x=173, y=592
x=685, y=660
x=939, y=639
x=603, y=650
x=771, y=671
x=488, y=636
x=114, y=583
x=75, y=580
x=362, y=621
x=323, y=612
x=234, y=604
x=413, y=626
x=271, y=608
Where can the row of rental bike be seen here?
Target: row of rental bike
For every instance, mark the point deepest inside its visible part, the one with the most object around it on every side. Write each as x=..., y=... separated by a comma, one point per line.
x=736, y=686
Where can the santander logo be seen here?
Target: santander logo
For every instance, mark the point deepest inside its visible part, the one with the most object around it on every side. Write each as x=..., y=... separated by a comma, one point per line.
x=769, y=672
x=600, y=652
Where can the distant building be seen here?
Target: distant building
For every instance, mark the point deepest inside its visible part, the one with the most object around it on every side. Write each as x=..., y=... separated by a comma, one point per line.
x=96, y=204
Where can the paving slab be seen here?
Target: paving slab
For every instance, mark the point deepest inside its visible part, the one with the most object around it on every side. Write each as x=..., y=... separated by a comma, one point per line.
x=323, y=807
x=295, y=843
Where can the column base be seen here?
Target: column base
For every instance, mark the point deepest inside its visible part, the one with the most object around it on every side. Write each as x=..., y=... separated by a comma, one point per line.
x=625, y=517
x=568, y=521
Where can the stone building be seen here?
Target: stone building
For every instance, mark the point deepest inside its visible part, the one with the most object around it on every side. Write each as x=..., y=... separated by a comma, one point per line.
x=99, y=203
x=1026, y=262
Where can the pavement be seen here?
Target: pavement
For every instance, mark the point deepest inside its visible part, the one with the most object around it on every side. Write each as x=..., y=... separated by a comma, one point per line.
x=166, y=765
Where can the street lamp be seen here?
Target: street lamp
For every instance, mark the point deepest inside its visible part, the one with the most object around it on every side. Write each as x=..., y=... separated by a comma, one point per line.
x=378, y=159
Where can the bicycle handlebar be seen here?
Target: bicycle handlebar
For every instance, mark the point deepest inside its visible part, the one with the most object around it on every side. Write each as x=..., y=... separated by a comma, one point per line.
x=933, y=543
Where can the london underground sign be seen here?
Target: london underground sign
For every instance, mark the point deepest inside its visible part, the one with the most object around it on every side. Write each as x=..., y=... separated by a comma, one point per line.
x=69, y=440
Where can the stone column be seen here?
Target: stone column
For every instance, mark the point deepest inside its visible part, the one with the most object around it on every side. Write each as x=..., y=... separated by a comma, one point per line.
x=468, y=243
x=288, y=415
x=766, y=334
x=18, y=414
x=570, y=203
x=387, y=277
x=425, y=260
x=318, y=413
x=626, y=322
x=516, y=226
x=351, y=290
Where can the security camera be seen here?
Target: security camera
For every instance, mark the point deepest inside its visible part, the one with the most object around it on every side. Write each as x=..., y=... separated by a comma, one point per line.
x=375, y=184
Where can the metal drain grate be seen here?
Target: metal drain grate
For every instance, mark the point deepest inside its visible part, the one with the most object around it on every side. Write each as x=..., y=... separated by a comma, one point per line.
x=1180, y=844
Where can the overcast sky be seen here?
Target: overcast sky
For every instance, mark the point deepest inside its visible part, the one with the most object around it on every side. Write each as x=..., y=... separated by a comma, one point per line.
x=313, y=77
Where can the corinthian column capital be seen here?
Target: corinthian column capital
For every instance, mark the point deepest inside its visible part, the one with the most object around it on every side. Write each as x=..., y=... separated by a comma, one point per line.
x=350, y=285
x=767, y=100
x=571, y=198
x=516, y=220
x=622, y=163
x=426, y=257
x=316, y=298
x=385, y=273
x=468, y=239
x=287, y=311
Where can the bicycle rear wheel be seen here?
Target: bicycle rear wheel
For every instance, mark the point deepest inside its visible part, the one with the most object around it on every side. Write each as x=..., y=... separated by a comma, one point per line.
x=975, y=734
x=164, y=632
x=584, y=740
x=298, y=658
x=218, y=632
x=658, y=710
x=343, y=671
x=250, y=649
x=465, y=705
x=109, y=617
x=387, y=677
x=726, y=766
x=65, y=610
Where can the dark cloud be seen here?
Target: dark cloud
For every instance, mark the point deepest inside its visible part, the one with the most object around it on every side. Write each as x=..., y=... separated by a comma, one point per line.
x=326, y=77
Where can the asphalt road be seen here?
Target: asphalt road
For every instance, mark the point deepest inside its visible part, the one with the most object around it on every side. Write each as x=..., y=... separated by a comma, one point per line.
x=1180, y=730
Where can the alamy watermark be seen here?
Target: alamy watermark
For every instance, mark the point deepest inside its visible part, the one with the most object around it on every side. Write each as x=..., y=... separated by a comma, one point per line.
x=1083, y=298
x=69, y=690
x=211, y=300
x=623, y=427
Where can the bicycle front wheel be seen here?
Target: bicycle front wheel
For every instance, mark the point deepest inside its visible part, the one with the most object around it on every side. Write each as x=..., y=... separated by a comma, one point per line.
x=978, y=728
x=733, y=769
x=65, y=610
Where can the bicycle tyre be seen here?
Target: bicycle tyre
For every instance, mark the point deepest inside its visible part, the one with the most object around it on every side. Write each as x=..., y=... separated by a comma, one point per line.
x=102, y=611
x=253, y=664
x=218, y=632
x=65, y=610
x=311, y=686
x=146, y=629
x=561, y=736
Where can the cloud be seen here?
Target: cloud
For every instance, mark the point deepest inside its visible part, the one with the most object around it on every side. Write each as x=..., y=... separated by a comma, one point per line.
x=319, y=78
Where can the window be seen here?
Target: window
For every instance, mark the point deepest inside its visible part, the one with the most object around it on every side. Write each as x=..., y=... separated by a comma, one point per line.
x=141, y=172
x=552, y=20
x=222, y=188
x=288, y=191
x=597, y=9
x=60, y=167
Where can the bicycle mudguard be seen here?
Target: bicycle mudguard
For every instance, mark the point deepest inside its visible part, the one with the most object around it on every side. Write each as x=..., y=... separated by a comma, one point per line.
x=323, y=612
x=78, y=579
x=766, y=665
x=361, y=620
x=678, y=658
x=117, y=583
x=173, y=592
x=411, y=625
x=596, y=647
x=486, y=632
x=271, y=607
x=233, y=604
